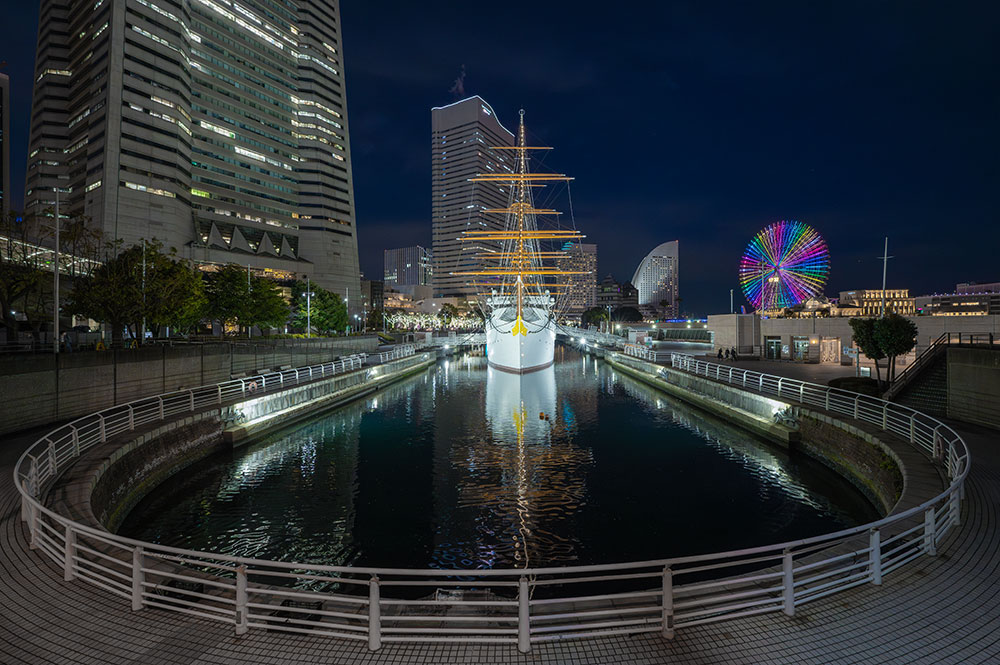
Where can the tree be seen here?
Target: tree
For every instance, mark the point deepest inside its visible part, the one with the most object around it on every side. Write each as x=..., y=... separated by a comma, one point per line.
x=896, y=336
x=864, y=338
x=240, y=299
x=594, y=316
x=447, y=313
x=325, y=311
x=140, y=285
x=627, y=315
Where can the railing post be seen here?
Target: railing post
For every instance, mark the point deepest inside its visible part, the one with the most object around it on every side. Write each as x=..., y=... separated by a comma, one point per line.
x=955, y=508
x=913, y=428
x=730, y=375
x=788, y=584
x=780, y=381
x=856, y=405
x=104, y=431
x=69, y=552
x=52, y=457
x=760, y=387
x=875, y=556
x=76, y=441
x=218, y=393
x=138, y=579
x=242, y=620
x=523, y=616
x=802, y=393
x=160, y=402
x=885, y=416
x=33, y=517
x=191, y=396
x=131, y=417
x=668, y=603
x=263, y=382
x=930, y=532
x=827, y=393
x=374, y=615
x=744, y=378
x=938, y=448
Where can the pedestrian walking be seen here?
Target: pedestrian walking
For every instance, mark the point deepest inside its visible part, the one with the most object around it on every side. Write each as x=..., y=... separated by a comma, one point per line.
x=727, y=354
x=735, y=356
x=720, y=353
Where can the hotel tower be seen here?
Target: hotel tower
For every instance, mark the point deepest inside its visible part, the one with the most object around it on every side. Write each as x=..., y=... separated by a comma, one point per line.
x=217, y=127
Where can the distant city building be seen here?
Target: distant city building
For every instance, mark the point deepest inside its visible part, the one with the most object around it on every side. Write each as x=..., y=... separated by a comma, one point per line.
x=968, y=300
x=869, y=301
x=972, y=287
x=219, y=130
x=461, y=135
x=610, y=292
x=4, y=144
x=580, y=292
x=656, y=278
x=372, y=295
x=407, y=266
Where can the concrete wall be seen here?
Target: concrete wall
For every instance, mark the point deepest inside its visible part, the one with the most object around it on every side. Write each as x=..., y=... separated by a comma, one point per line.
x=974, y=385
x=43, y=388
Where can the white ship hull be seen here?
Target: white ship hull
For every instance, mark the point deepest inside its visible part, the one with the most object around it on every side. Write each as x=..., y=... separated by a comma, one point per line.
x=528, y=351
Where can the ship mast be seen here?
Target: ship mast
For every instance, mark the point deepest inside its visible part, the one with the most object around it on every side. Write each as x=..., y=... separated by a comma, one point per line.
x=520, y=261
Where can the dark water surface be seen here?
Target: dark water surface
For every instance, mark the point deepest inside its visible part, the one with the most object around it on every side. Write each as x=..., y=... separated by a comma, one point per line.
x=464, y=466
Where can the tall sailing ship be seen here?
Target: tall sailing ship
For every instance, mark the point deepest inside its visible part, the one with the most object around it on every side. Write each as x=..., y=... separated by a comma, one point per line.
x=520, y=303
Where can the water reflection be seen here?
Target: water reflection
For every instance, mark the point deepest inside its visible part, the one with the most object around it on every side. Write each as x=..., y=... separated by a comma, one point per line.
x=464, y=466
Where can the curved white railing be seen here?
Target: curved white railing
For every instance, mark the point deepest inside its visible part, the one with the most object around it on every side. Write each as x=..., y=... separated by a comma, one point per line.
x=521, y=606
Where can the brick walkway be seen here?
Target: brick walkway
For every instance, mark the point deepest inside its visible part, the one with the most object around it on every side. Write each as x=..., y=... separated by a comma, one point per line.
x=941, y=610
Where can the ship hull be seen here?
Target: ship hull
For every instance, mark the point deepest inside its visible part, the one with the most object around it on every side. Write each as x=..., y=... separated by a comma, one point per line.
x=523, y=353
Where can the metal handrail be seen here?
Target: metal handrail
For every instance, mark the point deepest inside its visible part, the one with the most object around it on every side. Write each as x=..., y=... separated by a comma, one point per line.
x=944, y=339
x=242, y=591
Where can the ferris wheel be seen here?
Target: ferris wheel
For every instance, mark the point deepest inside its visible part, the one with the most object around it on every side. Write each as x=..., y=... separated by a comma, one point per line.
x=784, y=264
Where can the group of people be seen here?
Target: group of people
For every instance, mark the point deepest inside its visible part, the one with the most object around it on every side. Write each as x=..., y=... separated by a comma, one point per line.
x=728, y=354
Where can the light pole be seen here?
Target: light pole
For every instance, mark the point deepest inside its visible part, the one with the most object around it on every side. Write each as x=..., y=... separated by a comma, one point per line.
x=55, y=284
x=308, y=309
x=731, y=309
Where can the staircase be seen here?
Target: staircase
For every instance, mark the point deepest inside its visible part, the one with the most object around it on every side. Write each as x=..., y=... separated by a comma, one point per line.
x=927, y=389
x=924, y=384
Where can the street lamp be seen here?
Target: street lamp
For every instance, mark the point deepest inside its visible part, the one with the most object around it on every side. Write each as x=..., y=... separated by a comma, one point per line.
x=309, y=295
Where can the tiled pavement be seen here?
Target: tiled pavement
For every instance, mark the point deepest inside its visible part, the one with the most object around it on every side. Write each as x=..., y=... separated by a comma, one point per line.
x=940, y=610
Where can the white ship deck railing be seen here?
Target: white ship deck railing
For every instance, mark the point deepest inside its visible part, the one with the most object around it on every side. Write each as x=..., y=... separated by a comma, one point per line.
x=517, y=606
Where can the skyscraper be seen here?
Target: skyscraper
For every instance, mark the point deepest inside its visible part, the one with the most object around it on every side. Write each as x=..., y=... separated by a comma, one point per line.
x=219, y=129
x=4, y=144
x=461, y=137
x=580, y=292
x=656, y=278
x=407, y=266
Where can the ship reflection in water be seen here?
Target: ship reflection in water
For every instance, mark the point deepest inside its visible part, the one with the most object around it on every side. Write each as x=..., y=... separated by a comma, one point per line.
x=466, y=466
x=523, y=482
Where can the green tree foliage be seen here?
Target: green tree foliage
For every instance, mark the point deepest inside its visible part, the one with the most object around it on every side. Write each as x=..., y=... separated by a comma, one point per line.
x=896, y=336
x=234, y=298
x=594, y=316
x=140, y=284
x=626, y=315
x=863, y=331
x=447, y=313
x=325, y=311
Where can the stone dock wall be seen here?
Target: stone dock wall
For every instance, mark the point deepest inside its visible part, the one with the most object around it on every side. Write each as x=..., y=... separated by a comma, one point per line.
x=117, y=476
x=854, y=452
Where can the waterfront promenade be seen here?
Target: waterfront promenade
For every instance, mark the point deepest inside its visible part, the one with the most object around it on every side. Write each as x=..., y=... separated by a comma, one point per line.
x=940, y=610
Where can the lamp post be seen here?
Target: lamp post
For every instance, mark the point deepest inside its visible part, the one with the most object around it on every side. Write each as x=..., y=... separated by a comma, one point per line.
x=55, y=284
x=308, y=309
x=885, y=263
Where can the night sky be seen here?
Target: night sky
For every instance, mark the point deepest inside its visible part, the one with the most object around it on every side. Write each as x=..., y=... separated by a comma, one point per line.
x=702, y=122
